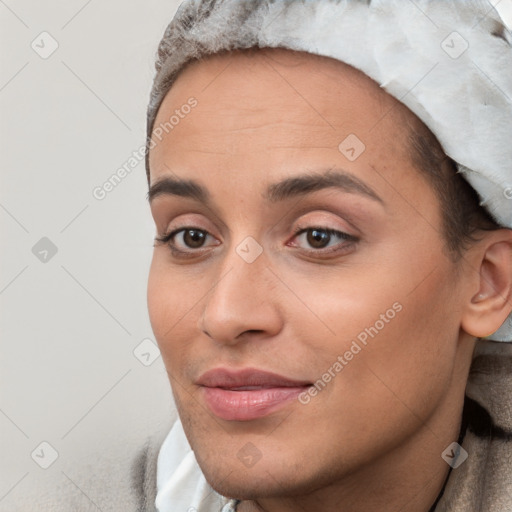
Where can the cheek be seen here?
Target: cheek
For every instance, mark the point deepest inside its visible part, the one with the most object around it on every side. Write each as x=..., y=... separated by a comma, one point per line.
x=174, y=300
x=391, y=325
x=167, y=301
x=396, y=351
x=158, y=300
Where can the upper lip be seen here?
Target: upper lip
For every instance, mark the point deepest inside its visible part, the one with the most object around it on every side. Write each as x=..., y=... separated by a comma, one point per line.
x=246, y=377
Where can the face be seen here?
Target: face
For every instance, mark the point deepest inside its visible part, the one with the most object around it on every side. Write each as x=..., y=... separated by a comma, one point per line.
x=305, y=307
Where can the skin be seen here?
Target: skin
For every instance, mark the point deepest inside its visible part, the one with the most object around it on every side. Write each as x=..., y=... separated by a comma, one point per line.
x=372, y=439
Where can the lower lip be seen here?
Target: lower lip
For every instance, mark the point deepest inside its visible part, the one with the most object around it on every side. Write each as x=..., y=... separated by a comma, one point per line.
x=250, y=404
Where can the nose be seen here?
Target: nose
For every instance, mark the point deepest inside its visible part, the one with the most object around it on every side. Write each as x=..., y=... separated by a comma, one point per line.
x=241, y=303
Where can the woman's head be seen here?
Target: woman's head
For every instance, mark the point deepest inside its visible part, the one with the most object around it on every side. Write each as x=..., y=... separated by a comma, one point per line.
x=313, y=239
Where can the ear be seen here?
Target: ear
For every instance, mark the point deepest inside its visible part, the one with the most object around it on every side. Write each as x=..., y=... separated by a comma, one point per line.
x=492, y=303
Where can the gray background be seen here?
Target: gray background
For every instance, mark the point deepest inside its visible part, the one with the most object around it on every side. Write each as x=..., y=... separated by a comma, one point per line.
x=69, y=324
x=71, y=321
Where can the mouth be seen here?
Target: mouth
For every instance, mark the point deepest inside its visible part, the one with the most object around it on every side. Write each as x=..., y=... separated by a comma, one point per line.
x=247, y=394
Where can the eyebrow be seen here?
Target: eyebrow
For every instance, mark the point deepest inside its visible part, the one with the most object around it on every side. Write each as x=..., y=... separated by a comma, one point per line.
x=287, y=188
x=178, y=187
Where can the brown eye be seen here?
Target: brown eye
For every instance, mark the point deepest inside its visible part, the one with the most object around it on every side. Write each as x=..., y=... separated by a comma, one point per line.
x=322, y=241
x=194, y=238
x=317, y=238
x=187, y=240
x=320, y=238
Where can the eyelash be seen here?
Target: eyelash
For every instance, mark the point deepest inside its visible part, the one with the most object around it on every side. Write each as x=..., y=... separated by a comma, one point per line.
x=167, y=238
x=345, y=238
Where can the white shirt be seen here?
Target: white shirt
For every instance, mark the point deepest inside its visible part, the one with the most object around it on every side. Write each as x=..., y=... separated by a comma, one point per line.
x=181, y=485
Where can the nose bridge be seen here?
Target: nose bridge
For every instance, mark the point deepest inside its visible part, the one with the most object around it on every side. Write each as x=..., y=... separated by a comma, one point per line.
x=239, y=300
x=244, y=265
x=239, y=282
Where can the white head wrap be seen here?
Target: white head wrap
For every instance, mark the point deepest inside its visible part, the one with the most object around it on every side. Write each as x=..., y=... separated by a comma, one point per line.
x=449, y=62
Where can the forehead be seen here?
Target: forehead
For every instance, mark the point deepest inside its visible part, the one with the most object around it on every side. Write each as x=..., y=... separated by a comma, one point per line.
x=263, y=114
x=317, y=98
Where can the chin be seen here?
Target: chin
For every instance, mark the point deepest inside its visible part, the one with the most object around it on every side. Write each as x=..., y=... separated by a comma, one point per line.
x=252, y=484
x=272, y=477
x=246, y=487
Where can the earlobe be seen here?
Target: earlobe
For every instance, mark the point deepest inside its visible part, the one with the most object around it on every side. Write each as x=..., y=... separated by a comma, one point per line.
x=490, y=306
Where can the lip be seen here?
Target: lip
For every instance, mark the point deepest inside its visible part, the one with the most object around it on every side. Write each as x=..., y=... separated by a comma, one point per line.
x=247, y=394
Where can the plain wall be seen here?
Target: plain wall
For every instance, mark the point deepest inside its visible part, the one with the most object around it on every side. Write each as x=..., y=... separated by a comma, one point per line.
x=69, y=324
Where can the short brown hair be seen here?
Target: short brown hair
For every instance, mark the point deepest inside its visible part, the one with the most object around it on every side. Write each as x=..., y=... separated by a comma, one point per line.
x=462, y=214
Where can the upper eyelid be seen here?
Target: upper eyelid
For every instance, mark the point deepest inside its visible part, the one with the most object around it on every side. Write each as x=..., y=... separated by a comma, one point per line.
x=324, y=224
x=299, y=209
x=199, y=209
